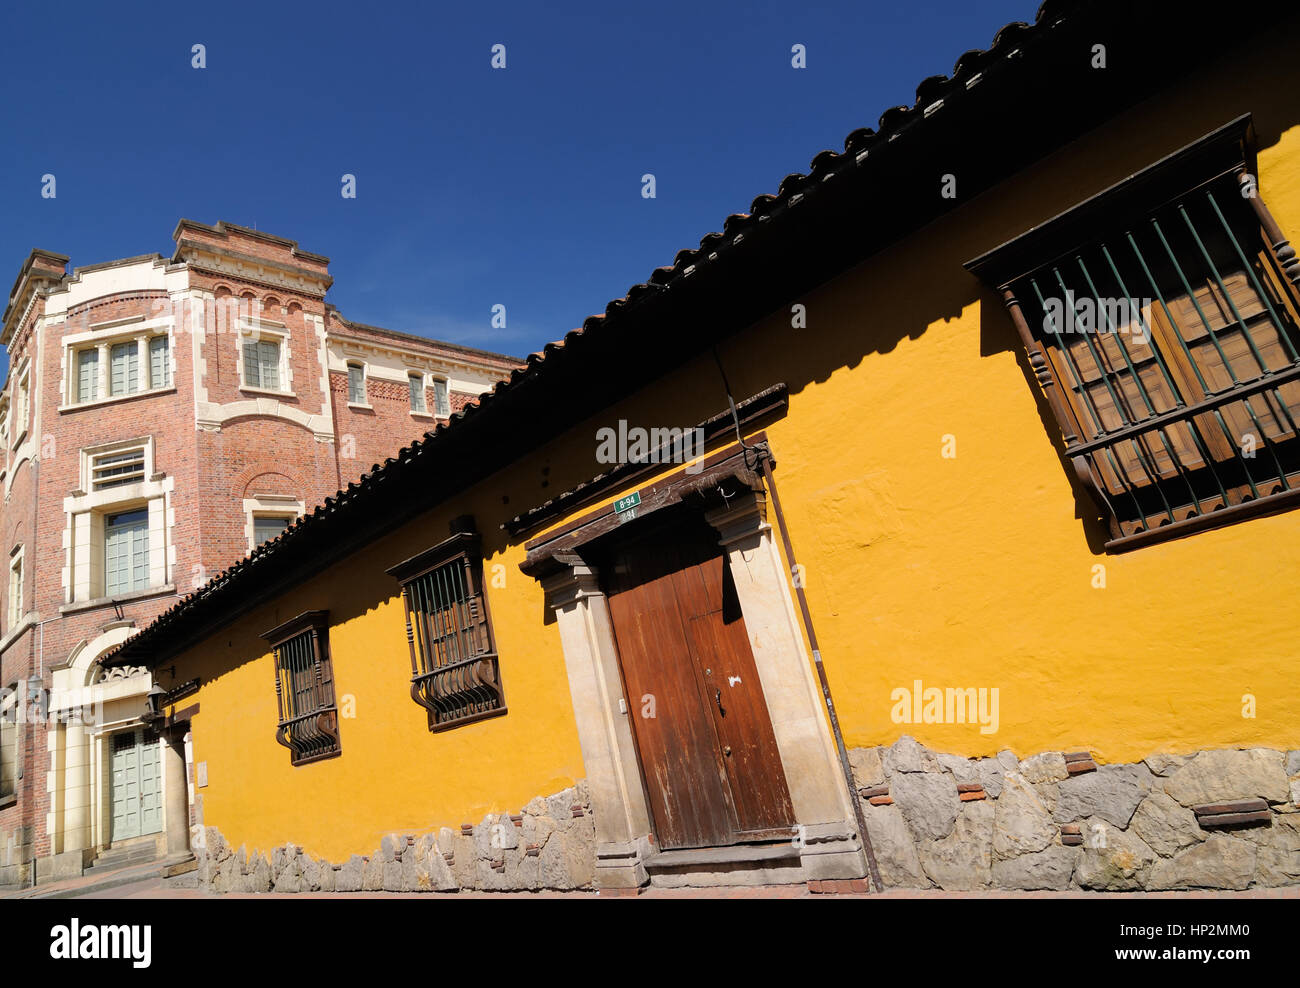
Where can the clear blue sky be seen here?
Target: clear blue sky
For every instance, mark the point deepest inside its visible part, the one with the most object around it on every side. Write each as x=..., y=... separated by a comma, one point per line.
x=475, y=186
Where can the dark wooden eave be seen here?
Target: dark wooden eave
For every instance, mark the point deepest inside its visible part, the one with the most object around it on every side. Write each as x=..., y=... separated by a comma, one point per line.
x=1029, y=94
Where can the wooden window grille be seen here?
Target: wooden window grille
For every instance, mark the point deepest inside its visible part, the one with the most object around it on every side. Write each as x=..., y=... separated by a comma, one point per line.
x=455, y=672
x=304, y=688
x=1178, y=408
x=441, y=399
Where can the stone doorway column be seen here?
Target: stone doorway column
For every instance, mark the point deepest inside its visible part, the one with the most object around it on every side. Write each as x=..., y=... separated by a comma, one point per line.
x=617, y=800
x=794, y=701
x=176, y=814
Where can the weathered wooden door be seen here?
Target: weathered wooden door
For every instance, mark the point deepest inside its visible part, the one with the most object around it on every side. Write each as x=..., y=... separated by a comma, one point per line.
x=712, y=771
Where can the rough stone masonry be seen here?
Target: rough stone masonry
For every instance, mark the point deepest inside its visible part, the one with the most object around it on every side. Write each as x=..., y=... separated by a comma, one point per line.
x=1220, y=819
x=551, y=844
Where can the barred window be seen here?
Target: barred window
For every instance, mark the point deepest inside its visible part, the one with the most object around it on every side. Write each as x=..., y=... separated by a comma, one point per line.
x=441, y=401
x=1168, y=345
x=455, y=673
x=304, y=688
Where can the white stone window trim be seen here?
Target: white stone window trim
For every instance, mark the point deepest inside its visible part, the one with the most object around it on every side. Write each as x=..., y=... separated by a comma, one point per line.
x=424, y=386
x=143, y=332
x=83, y=537
x=119, y=493
x=22, y=400
x=269, y=506
x=16, y=562
x=434, y=380
x=8, y=701
x=256, y=330
x=365, y=384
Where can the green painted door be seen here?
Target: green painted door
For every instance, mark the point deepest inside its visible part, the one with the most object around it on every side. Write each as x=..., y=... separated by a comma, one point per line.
x=137, y=785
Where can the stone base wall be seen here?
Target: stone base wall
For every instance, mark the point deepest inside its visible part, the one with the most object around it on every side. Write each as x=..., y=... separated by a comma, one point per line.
x=16, y=856
x=551, y=844
x=1219, y=819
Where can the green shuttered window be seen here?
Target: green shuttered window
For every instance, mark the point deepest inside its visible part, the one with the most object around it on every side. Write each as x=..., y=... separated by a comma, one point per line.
x=124, y=368
x=126, y=552
x=262, y=364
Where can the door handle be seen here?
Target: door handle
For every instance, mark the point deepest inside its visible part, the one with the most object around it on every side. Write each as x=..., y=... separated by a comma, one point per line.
x=717, y=697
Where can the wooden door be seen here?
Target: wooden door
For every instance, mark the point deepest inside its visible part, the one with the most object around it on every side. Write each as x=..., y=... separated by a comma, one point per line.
x=126, y=786
x=708, y=756
x=137, y=785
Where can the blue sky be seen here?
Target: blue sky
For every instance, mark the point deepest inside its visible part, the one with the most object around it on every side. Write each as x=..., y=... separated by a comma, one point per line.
x=519, y=186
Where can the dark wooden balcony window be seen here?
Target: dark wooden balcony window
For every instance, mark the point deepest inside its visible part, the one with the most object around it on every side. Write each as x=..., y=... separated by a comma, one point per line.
x=304, y=688
x=1161, y=320
x=455, y=672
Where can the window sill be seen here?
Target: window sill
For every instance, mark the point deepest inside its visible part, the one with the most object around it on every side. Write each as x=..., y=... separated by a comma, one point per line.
x=1271, y=504
x=267, y=391
x=421, y=415
x=363, y=406
x=8, y=800
x=115, y=399
x=123, y=598
x=29, y=620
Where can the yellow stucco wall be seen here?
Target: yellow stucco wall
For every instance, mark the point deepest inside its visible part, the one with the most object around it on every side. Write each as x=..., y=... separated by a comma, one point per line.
x=968, y=572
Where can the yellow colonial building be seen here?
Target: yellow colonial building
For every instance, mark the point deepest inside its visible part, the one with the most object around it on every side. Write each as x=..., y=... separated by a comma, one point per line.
x=930, y=525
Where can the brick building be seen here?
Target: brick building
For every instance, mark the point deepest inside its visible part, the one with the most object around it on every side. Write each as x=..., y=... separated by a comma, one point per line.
x=160, y=418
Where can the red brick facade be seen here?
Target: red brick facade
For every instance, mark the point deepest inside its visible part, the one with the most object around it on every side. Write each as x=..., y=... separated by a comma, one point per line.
x=214, y=439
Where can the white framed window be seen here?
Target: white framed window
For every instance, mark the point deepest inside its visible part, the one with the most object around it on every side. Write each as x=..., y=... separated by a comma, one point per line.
x=415, y=383
x=160, y=362
x=118, y=536
x=87, y=375
x=126, y=551
x=268, y=515
x=262, y=364
x=124, y=368
x=268, y=527
x=441, y=399
x=9, y=728
x=103, y=367
x=15, y=586
x=22, y=403
x=117, y=467
x=356, y=384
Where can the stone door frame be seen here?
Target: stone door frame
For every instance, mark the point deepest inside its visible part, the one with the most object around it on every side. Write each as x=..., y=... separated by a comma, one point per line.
x=824, y=842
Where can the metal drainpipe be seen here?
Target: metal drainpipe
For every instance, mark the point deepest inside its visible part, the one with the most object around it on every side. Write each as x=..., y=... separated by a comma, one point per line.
x=765, y=464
